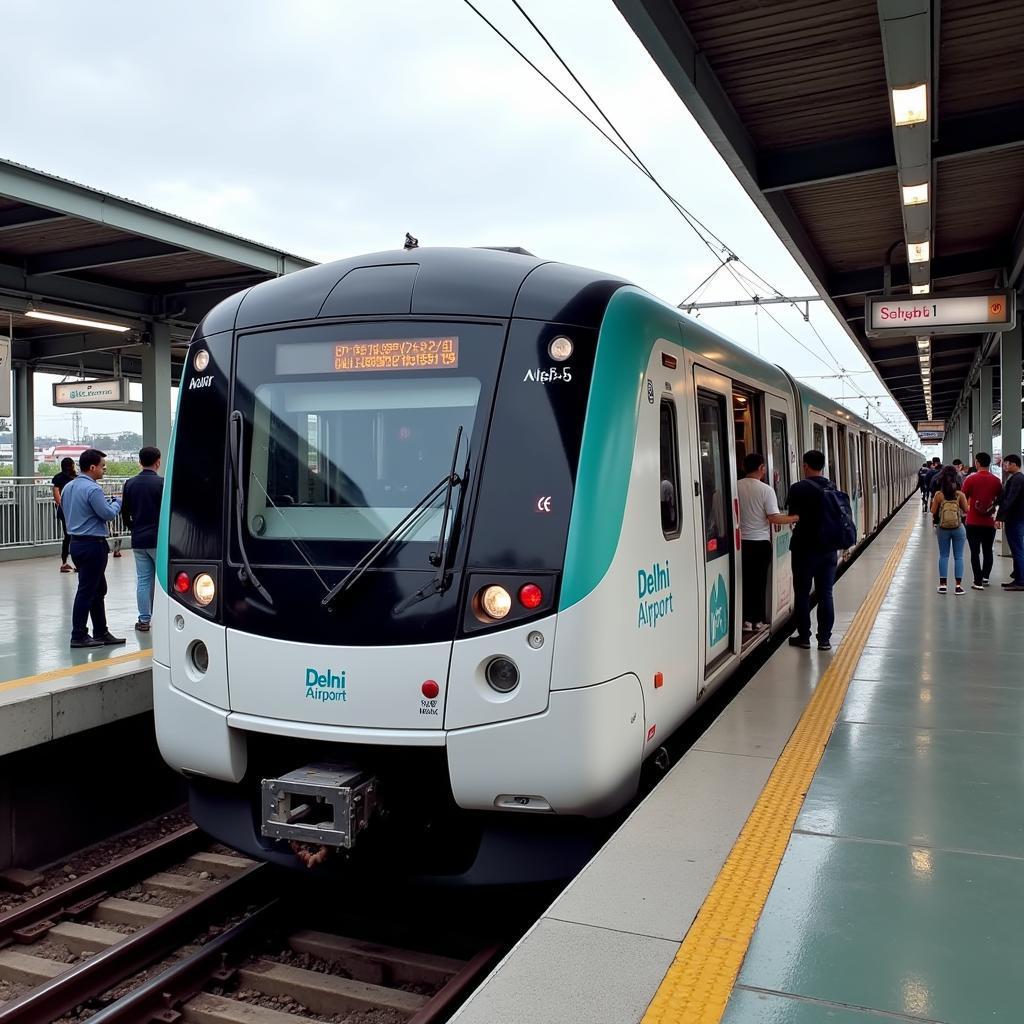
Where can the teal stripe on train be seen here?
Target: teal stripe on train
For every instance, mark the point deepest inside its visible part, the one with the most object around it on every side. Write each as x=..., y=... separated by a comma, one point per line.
x=631, y=324
x=165, y=503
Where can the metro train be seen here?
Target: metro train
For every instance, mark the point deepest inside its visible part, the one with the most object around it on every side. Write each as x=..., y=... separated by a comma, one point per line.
x=450, y=545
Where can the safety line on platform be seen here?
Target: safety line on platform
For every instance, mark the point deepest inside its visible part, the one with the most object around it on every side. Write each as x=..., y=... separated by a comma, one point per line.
x=72, y=670
x=699, y=981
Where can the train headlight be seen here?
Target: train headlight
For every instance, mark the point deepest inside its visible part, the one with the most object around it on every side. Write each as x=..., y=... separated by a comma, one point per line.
x=201, y=360
x=560, y=349
x=502, y=674
x=495, y=601
x=204, y=590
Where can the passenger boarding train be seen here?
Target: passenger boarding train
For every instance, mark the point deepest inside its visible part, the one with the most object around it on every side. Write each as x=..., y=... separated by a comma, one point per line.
x=450, y=545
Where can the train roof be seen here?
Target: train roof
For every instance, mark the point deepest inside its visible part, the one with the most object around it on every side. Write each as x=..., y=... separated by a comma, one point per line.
x=426, y=282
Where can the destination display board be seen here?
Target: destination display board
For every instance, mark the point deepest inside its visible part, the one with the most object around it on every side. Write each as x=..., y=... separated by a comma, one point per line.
x=931, y=430
x=88, y=392
x=940, y=314
x=370, y=355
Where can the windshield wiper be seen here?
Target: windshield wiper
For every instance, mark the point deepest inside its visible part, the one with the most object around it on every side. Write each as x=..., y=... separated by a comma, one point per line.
x=245, y=574
x=442, y=581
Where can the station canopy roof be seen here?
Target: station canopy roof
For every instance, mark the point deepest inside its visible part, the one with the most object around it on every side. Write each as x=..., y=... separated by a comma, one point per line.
x=76, y=252
x=797, y=96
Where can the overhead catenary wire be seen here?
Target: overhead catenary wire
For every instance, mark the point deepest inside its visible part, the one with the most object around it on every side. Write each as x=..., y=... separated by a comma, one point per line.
x=726, y=256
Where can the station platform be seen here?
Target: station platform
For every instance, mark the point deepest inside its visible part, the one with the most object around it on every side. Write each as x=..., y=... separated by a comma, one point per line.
x=47, y=690
x=844, y=844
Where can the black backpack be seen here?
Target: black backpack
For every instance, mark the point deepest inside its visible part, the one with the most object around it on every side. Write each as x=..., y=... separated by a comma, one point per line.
x=838, y=530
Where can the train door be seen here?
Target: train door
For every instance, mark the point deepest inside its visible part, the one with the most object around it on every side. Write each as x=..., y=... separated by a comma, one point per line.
x=856, y=485
x=718, y=516
x=782, y=472
x=876, y=516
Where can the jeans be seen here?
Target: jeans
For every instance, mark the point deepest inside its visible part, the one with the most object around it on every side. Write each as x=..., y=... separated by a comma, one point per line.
x=956, y=538
x=91, y=561
x=65, y=544
x=1014, y=532
x=757, y=557
x=145, y=577
x=818, y=568
x=980, y=540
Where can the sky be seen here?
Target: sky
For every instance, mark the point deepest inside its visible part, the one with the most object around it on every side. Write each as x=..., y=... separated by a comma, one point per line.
x=332, y=128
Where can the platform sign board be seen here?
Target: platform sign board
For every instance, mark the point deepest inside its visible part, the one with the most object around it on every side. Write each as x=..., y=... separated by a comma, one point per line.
x=931, y=431
x=95, y=394
x=885, y=316
x=5, y=376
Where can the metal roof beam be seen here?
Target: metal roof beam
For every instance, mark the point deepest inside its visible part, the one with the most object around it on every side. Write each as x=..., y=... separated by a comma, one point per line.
x=89, y=258
x=81, y=343
x=34, y=188
x=984, y=132
x=14, y=281
x=861, y=282
x=25, y=216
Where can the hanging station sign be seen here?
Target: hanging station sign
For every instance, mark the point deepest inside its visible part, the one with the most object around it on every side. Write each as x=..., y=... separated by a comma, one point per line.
x=886, y=316
x=95, y=394
x=931, y=431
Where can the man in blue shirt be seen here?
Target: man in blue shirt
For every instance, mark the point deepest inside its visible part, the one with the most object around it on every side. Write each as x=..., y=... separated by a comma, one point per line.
x=87, y=512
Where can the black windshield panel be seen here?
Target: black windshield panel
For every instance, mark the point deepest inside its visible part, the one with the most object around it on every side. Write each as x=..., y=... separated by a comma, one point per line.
x=347, y=426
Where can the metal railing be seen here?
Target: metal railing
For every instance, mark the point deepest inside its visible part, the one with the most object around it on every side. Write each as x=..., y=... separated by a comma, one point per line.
x=28, y=515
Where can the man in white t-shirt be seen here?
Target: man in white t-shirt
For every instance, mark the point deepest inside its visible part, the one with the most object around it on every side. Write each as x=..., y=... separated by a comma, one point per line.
x=759, y=511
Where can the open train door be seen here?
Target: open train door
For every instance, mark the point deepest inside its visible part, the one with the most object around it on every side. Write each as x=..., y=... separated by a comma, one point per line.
x=716, y=514
x=783, y=471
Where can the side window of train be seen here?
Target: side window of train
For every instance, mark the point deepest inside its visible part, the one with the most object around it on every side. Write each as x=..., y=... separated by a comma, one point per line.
x=780, y=458
x=669, y=476
x=714, y=467
x=854, y=468
x=819, y=438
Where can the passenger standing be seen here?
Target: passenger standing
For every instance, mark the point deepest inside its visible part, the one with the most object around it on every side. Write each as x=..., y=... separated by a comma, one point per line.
x=59, y=482
x=922, y=482
x=87, y=512
x=140, y=509
x=949, y=507
x=759, y=511
x=1011, y=517
x=812, y=563
x=958, y=466
x=982, y=491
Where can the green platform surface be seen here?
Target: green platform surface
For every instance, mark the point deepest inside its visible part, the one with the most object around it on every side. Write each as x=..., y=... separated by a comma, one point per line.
x=901, y=893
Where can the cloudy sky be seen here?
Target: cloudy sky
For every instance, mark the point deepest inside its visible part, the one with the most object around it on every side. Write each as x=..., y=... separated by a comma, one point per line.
x=331, y=128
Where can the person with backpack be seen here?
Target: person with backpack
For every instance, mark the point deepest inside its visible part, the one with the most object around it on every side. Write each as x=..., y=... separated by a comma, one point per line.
x=824, y=528
x=923, y=475
x=949, y=506
x=982, y=491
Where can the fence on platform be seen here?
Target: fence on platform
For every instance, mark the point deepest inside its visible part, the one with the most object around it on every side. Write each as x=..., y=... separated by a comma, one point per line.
x=28, y=515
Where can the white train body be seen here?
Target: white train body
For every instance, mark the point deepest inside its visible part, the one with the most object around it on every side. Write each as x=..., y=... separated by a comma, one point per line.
x=606, y=480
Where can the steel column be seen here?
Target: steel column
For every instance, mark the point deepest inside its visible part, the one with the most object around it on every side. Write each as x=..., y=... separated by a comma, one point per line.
x=976, y=425
x=156, y=388
x=1010, y=396
x=24, y=421
x=983, y=428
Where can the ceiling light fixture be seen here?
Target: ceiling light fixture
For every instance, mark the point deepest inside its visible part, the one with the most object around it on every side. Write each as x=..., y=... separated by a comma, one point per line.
x=77, y=321
x=915, y=195
x=910, y=105
x=917, y=252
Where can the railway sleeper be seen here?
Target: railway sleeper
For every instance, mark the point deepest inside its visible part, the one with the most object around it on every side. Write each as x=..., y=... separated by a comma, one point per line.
x=210, y=1009
x=177, y=885
x=325, y=993
x=84, y=938
x=220, y=865
x=379, y=965
x=118, y=911
x=27, y=969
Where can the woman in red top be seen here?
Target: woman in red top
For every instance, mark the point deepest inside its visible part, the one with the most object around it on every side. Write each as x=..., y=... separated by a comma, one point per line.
x=982, y=490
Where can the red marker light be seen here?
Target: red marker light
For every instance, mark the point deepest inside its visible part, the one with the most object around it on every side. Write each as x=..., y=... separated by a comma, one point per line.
x=430, y=689
x=530, y=595
x=182, y=583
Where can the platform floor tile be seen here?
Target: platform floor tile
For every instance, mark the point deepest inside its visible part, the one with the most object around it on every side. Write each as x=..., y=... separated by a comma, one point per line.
x=1001, y=664
x=747, y=1007
x=652, y=877
x=933, y=787
x=973, y=706
x=891, y=928
x=572, y=974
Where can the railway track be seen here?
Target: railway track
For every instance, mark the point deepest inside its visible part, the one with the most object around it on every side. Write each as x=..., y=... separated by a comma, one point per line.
x=109, y=947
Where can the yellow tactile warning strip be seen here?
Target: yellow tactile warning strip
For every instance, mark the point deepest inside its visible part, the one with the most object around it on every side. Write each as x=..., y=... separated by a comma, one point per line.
x=73, y=670
x=697, y=986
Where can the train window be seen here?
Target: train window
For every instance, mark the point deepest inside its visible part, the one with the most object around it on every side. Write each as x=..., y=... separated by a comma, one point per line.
x=669, y=476
x=714, y=469
x=854, y=467
x=819, y=438
x=780, y=458
x=833, y=463
x=746, y=417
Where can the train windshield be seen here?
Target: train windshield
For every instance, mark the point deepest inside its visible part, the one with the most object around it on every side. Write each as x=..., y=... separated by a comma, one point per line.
x=347, y=459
